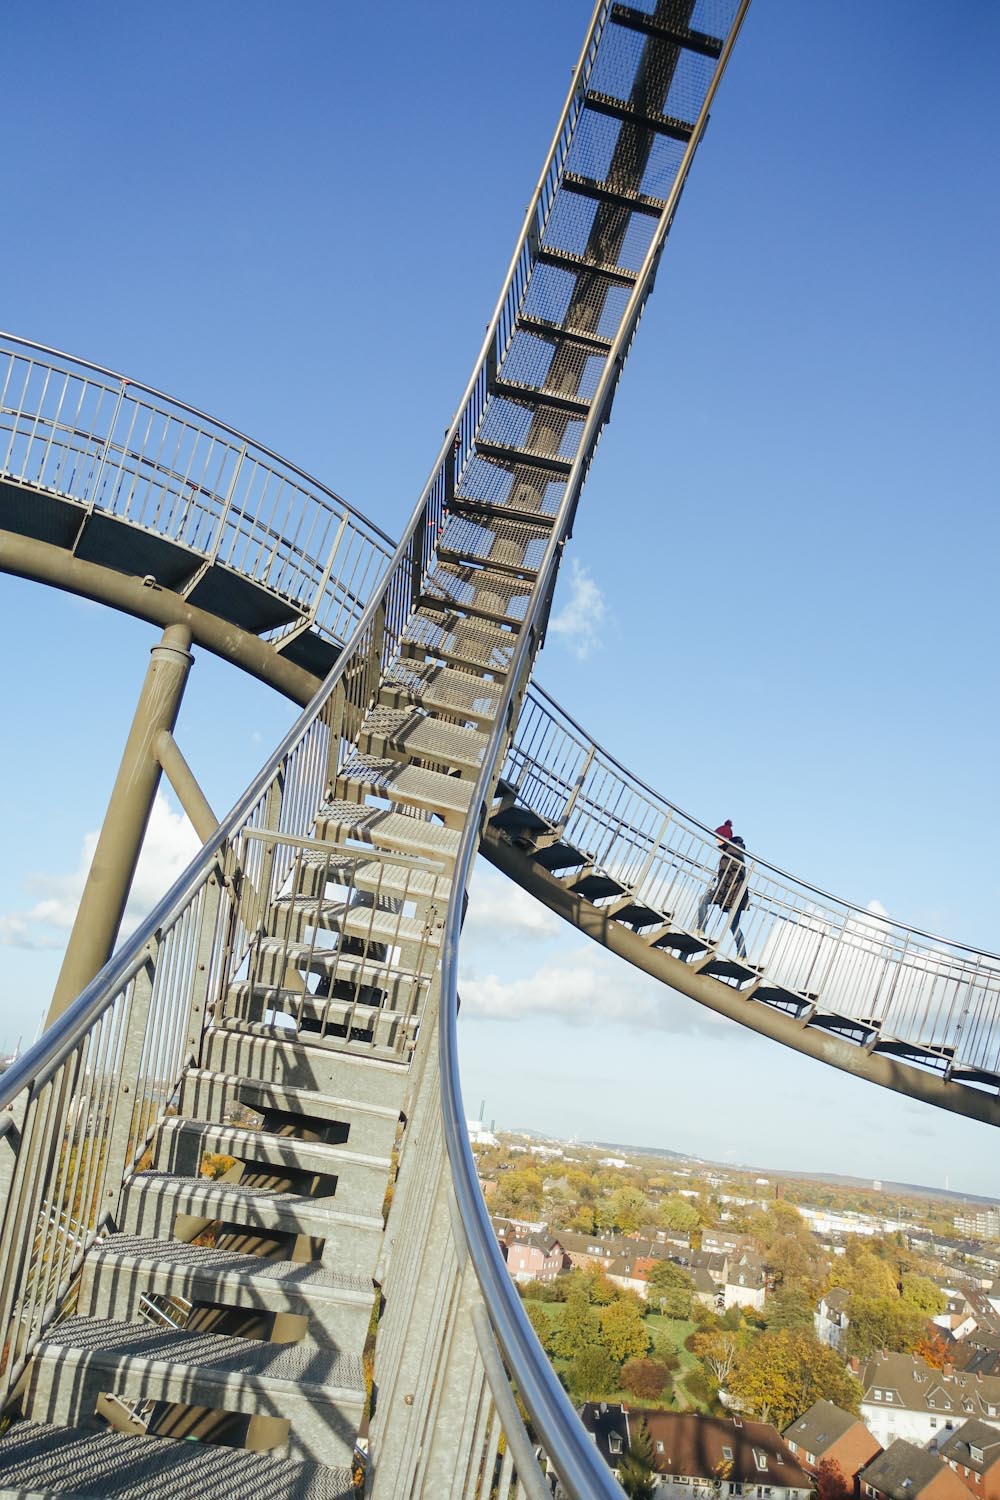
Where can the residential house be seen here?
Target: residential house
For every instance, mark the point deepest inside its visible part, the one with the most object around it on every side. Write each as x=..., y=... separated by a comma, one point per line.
x=711, y=1457
x=745, y=1286
x=631, y=1272
x=714, y=1239
x=607, y=1423
x=958, y=1317
x=715, y=1262
x=594, y=1250
x=536, y=1257
x=906, y=1472
x=827, y=1434
x=973, y=1452
x=705, y=1290
x=905, y=1397
x=830, y=1319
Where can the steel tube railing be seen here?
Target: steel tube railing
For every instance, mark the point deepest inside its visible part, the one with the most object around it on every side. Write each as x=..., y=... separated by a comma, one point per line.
x=87, y=435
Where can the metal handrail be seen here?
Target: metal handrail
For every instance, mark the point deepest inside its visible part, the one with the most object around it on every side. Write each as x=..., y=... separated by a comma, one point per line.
x=909, y=986
x=117, y=447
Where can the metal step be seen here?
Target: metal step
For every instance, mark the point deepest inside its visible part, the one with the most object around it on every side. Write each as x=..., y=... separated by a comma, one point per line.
x=646, y=119
x=254, y=1012
x=569, y=260
x=290, y=1064
x=533, y=396
x=569, y=334
x=361, y=1179
x=156, y=1205
x=606, y=192
x=480, y=592
x=117, y=1272
x=392, y=1043
x=409, y=786
x=514, y=547
x=366, y=1127
x=349, y=979
x=39, y=1460
x=463, y=695
x=320, y=1392
x=415, y=939
x=413, y=735
x=418, y=880
x=458, y=640
x=674, y=36
x=397, y=833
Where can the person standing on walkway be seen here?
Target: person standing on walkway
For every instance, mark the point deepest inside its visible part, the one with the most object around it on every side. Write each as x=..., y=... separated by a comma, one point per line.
x=729, y=889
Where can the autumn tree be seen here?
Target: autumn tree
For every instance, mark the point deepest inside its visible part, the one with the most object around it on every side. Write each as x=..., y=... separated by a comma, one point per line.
x=592, y=1375
x=863, y=1273
x=623, y=1331
x=670, y=1288
x=678, y=1213
x=831, y=1483
x=882, y=1323
x=790, y=1307
x=717, y=1351
x=579, y=1330
x=921, y=1293
x=629, y=1209
x=645, y=1379
x=541, y=1323
x=777, y=1375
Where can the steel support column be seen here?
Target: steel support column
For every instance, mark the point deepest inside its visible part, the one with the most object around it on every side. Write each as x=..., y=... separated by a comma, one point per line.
x=102, y=905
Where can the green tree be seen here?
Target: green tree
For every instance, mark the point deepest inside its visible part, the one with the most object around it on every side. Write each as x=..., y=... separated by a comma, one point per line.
x=592, y=1375
x=580, y=1329
x=882, y=1323
x=862, y=1272
x=678, y=1213
x=623, y=1331
x=541, y=1323
x=921, y=1293
x=630, y=1209
x=775, y=1376
x=790, y=1307
x=636, y=1473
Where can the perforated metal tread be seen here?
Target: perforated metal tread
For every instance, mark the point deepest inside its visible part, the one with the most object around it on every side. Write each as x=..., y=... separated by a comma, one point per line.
x=411, y=786
x=367, y=922
x=302, y=1275
x=286, y=1098
x=233, y=1202
x=332, y=1009
x=382, y=877
x=39, y=1459
x=478, y=591
x=265, y=1148
x=454, y=638
x=461, y=694
x=420, y=736
x=277, y=953
x=305, y=1366
x=515, y=546
x=400, y=832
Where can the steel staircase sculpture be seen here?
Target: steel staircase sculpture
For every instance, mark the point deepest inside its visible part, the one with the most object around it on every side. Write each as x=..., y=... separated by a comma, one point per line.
x=289, y=1006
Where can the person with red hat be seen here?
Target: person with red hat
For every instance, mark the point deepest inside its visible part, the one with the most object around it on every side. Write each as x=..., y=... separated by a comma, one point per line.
x=729, y=890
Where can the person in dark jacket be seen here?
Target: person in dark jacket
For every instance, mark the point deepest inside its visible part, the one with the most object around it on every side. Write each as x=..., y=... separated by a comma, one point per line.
x=729, y=889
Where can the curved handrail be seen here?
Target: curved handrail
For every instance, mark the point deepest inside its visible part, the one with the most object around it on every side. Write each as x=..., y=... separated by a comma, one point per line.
x=116, y=447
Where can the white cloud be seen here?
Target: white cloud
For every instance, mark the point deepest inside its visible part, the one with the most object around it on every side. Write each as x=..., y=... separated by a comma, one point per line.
x=580, y=620
x=589, y=989
x=169, y=847
x=500, y=910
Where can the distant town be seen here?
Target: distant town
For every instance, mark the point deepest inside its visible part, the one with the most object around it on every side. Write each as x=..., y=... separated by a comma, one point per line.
x=729, y=1332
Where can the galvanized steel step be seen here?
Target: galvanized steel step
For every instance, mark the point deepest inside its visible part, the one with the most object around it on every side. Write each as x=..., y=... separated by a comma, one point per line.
x=211, y=1096
x=384, y=829
x=480, y=592
x=153, y=1201
x=180, y=1145
x=119, y=1270
x=457, y=639
x=410, y=786
x=516, y=547
x=263, y=1004
x=38, y=1459
x=295, y=1064
x=416, y=735
x=463, y=695
x=413, y=940
x=320, y=1392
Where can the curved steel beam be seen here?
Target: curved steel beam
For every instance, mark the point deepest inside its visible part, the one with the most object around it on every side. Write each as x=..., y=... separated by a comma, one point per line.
x=41, y=562
x=888, y=1073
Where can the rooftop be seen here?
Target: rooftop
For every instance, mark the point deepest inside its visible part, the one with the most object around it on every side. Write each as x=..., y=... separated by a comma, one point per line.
x=820, y=1426
x=902, y=1471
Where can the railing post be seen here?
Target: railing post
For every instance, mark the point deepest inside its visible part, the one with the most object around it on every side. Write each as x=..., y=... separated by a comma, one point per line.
x=125, y=1120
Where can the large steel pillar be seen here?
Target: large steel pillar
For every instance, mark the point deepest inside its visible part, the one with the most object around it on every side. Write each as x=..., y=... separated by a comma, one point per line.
x=105, y=894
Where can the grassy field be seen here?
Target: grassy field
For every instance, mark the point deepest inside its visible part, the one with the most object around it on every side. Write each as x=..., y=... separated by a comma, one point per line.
x=674, y=1330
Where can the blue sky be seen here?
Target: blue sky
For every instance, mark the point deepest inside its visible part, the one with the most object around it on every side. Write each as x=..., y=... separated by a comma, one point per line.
x=300, y=223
